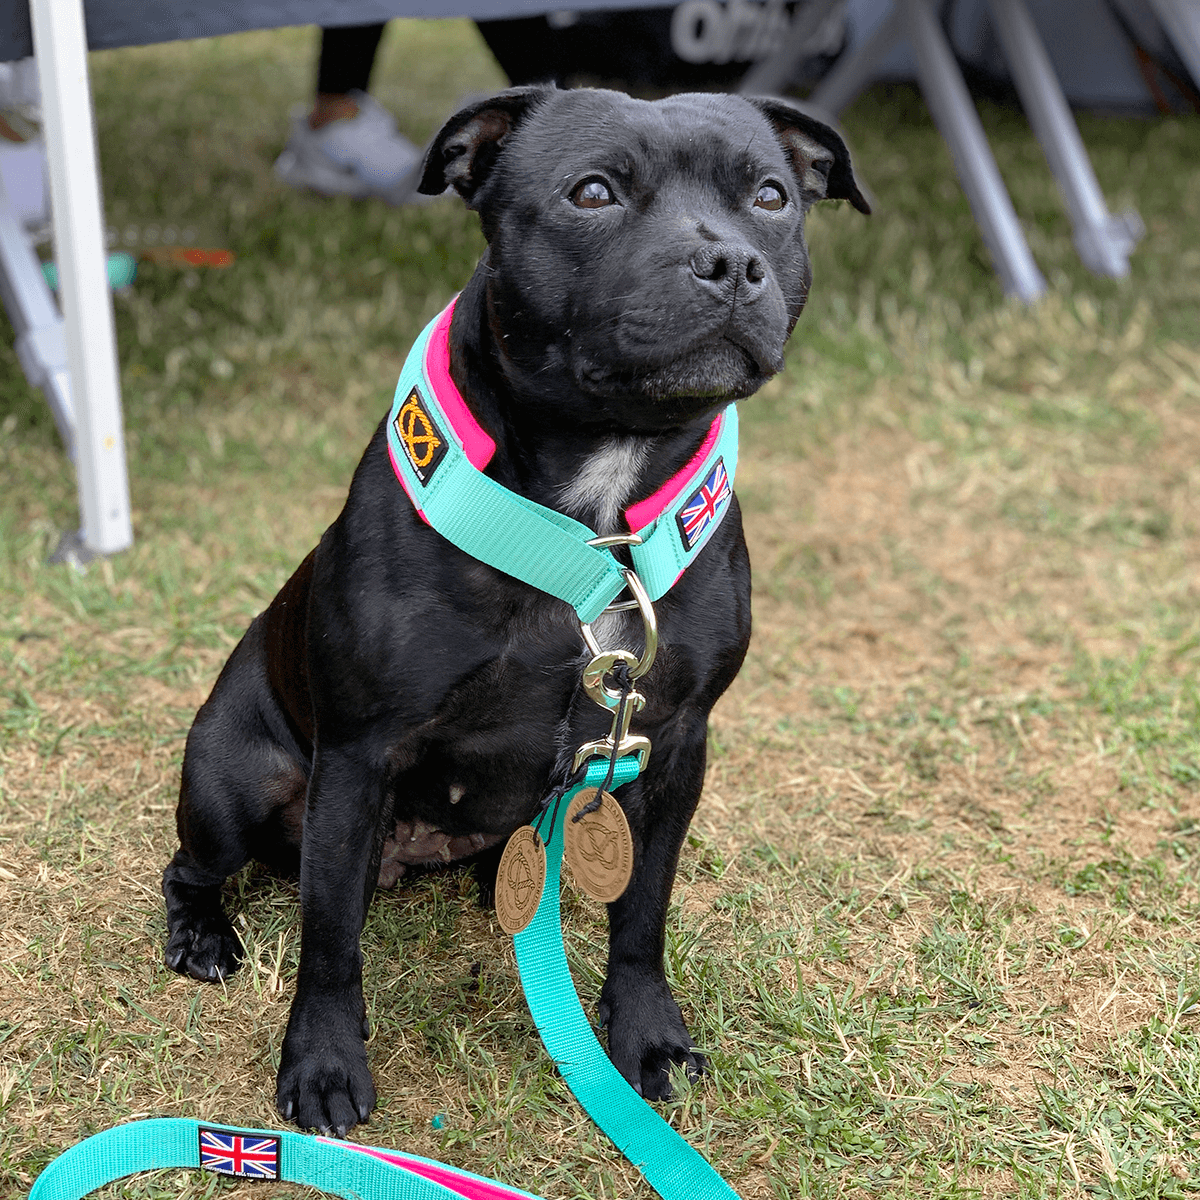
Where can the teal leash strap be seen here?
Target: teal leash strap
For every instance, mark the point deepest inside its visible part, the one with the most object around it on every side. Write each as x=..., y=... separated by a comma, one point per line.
x=672, y=1167
x=117, y=1152
x=339, y=1168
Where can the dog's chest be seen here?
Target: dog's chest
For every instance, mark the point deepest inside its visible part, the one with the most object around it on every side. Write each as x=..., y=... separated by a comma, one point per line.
x=503, y=732
x=500, y=740
x=484, y=762
x=605, y=481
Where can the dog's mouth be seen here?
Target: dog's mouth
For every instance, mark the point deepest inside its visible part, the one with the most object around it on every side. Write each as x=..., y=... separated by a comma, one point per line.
x=720, y=369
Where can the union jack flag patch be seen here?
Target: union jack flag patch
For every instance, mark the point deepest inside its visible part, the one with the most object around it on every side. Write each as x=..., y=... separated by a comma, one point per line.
x=246, y=1155
x=705, y=506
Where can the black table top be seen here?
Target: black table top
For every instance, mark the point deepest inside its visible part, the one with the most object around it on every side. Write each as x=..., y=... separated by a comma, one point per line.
x=112, y=23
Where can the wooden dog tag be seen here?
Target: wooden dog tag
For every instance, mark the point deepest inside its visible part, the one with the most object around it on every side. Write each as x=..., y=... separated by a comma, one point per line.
x=599, y=847
x=520, y=880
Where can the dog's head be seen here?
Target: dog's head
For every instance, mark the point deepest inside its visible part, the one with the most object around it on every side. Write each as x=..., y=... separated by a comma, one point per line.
x=646, y=260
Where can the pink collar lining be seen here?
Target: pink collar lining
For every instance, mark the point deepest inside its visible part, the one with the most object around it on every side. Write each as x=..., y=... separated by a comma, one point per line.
x=479, y=446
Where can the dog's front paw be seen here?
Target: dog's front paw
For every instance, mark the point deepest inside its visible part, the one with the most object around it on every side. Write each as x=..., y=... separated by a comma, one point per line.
x=324, y=1081
x=203, y=946
x=646, y=1034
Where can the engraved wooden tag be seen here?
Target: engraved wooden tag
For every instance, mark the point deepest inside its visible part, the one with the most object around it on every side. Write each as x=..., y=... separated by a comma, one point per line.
x=520, y=880
x=599, y=847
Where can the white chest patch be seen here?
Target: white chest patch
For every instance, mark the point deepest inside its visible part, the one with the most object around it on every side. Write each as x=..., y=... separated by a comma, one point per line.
x=605, y=482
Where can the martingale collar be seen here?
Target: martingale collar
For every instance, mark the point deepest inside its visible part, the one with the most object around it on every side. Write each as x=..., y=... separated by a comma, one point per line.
x=439, y=451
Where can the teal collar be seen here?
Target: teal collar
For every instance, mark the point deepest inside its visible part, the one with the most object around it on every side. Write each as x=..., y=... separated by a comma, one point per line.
x=438, y=452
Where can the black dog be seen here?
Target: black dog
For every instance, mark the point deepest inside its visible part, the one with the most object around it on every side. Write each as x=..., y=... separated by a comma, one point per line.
x=400, y=702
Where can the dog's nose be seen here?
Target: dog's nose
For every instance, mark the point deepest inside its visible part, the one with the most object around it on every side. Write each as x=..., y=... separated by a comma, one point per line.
x=728, y=268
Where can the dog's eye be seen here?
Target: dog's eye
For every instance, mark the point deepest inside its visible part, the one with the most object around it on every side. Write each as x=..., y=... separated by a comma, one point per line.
x=593, y=193
x=770, y=196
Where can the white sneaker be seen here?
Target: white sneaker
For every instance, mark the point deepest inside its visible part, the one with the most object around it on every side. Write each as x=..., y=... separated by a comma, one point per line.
x=358, y=156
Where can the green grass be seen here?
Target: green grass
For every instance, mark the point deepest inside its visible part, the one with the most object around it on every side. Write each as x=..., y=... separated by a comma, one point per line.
x=934, y=919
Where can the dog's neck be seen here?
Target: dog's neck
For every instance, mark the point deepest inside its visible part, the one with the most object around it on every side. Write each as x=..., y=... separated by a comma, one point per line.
x=590, y=474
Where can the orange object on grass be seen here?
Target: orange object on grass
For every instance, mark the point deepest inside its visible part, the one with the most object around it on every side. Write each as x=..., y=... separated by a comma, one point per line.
x=189, y=256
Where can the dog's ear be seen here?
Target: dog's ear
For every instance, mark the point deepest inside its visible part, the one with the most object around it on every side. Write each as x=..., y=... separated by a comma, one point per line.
x=464, y=150
x=817, y=154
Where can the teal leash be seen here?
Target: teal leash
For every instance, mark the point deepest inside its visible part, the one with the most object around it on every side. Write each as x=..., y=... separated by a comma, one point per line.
x=340, y=1168
x=670, y=1165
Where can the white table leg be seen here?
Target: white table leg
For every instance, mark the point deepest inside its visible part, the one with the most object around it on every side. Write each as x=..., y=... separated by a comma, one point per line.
x=61, y=52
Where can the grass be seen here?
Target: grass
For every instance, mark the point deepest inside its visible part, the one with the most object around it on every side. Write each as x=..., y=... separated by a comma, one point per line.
x=934, y=918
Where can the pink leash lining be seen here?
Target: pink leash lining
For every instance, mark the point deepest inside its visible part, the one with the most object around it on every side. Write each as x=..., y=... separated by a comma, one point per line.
x=471, y=1187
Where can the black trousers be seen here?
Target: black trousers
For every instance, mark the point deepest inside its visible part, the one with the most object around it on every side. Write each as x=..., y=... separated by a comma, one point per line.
x=347, y=56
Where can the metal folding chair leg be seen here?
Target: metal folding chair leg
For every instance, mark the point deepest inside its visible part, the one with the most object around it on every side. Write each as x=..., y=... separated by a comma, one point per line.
x=956, y=118
x=41, y=346
x=1104, y=241
x=1181, y=20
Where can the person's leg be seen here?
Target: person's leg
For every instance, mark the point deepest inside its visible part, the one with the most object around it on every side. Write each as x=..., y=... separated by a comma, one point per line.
x=347, y=144
x=347, y=56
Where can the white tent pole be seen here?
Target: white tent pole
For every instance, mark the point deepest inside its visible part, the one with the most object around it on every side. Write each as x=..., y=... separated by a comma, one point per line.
x=61, y=52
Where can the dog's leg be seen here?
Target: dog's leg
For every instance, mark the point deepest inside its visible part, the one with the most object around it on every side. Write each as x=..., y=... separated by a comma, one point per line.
x=201, y=941
x=241, y=797
x=324, y=1081
x=646, y=1033
x=214, y=842
x=486, y=867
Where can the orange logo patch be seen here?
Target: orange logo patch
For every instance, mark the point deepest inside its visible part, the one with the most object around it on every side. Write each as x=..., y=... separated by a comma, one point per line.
x=423, y=441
